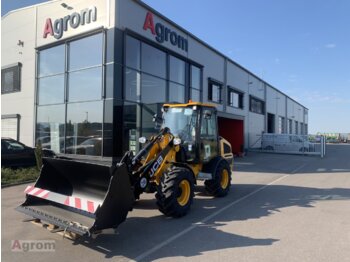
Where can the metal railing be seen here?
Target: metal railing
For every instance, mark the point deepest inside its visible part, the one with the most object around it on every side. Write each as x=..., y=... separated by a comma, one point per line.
x=289, y=144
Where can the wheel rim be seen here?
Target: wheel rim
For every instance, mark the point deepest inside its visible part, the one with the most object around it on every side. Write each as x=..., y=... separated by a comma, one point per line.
x=224, y=179
x=185, y=191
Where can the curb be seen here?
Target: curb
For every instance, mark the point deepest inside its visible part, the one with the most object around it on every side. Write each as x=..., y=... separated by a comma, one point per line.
x=17, y=184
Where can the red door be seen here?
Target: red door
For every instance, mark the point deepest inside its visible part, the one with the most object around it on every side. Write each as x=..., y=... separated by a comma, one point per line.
x=232, y=130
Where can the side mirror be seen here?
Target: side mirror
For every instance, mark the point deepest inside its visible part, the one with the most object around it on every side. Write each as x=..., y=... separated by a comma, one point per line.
x=207, y=114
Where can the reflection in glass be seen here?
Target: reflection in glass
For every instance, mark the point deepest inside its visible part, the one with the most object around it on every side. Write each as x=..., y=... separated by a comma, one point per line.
x=195, y=77
x=85, y=52
x=108, y=128
x=133, y=55
x=177, y=70
x=51, y=61
x=84, y=128
x=132, y=85
x=50, y=127
x=51, y=90
x=176, y=93
x=109, y=80
x=152, y=89
x=195, y=95
x=148, y=126
x=85, y=85
x=153, y=61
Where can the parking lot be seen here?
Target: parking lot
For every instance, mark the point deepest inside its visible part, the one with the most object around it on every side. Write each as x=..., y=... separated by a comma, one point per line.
x=280, y=208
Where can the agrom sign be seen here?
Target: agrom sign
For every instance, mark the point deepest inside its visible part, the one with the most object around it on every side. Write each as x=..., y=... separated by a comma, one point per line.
x=164, y=34
x=86, y=16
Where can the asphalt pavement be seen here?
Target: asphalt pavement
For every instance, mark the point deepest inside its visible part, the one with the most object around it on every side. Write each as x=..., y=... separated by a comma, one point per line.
x=280, y=208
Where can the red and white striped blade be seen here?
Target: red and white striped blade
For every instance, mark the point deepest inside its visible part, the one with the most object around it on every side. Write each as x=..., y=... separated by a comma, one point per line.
x=71, y=201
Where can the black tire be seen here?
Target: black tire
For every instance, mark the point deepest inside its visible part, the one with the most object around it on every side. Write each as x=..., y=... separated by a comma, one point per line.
x=170, y=194
x=219, y=186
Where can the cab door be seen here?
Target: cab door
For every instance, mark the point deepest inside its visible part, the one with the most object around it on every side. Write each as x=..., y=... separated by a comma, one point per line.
x=209, y=147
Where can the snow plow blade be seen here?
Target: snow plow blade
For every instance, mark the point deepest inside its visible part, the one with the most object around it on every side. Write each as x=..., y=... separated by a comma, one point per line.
x=79, y=197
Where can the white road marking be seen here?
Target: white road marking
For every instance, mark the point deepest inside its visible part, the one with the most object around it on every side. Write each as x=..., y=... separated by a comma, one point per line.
x=298, y=168
x=204, y=220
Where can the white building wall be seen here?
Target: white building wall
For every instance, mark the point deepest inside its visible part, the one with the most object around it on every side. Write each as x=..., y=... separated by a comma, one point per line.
x=237, y=78
x=276, y=105
x=54, y=10
x=130, y=15
x=27, y=25
x=256, y=87
x=20, y=26
x=256, y=125
x=214, y=66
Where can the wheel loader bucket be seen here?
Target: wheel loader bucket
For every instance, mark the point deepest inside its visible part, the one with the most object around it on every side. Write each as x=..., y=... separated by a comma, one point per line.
x=79, y=197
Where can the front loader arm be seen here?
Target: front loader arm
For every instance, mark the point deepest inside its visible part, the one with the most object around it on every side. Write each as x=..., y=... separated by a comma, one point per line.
x=149, y=164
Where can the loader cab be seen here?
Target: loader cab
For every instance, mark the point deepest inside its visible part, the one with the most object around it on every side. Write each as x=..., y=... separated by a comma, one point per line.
x=196, y=125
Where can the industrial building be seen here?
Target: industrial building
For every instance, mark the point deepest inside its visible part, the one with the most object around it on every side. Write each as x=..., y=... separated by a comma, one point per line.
x=86, y=77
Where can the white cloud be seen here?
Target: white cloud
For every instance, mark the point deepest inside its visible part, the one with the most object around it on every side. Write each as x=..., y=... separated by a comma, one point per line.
x=331, y=45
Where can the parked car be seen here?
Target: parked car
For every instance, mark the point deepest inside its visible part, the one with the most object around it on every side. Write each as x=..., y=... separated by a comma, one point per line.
x=17, y=154
x=90, y=146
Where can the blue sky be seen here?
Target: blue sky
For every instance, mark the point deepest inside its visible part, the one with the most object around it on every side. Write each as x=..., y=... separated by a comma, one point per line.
x=301, y=47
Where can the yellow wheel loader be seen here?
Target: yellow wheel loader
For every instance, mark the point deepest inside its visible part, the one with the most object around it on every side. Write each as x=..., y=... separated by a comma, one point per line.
x=86, y=198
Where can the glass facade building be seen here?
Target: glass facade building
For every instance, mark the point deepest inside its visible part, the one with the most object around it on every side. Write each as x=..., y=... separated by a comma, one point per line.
x=96, y=96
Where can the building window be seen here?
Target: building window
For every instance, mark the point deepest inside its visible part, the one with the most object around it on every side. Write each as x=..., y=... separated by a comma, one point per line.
x=10, y=126
x=50, y=127
x=296, y=127
x=70, y=117
x=51, y=61
x=177, y=79
x=235, y=98
x=85, y=52
x=301, y=128
x=214, y=91
x=176, y=70
x=11, y=79
x=281, y=125
x=306, y=130
x=133, y=53
x=290, y=126
x=152, y=89
x=257, y=105
x=176, y=93
x=84, y=128
x=51, y=90
x=153, y=61
x=195, y=84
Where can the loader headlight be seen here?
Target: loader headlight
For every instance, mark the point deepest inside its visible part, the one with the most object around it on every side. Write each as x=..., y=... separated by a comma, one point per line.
x=142, y=140
x=177, y=141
